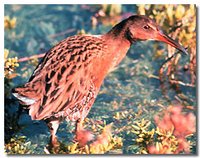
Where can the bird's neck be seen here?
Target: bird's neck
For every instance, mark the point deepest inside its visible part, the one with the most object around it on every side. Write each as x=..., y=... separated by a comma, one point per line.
x=119, y=31
x=116, y=46
x=118, y=43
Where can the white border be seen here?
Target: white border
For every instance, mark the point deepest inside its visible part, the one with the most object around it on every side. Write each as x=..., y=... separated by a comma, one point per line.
x=67, y=2
x=100, y=2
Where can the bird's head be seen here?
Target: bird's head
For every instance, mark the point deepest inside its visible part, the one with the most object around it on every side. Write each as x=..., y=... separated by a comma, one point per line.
x=139, y=27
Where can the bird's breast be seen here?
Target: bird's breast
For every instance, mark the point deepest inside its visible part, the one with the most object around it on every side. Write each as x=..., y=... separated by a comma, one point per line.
x=106, y=63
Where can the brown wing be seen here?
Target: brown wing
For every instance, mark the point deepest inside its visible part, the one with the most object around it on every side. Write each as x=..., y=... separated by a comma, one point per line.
x=62, y=80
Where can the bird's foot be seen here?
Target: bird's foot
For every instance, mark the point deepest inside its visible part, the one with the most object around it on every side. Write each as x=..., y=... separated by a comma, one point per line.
x=54, y=141
x=53, y=147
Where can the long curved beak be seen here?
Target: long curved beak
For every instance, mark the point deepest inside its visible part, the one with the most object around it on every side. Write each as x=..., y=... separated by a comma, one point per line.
x=164, y=38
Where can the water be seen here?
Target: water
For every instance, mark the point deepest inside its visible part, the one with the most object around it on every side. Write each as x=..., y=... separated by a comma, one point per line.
x=128, y=88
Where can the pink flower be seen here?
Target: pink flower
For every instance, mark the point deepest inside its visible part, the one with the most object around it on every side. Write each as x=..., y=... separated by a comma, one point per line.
x=83, y=137
x=180, y=124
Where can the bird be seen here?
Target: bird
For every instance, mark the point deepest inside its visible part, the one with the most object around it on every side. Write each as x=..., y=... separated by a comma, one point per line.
x=67, y=80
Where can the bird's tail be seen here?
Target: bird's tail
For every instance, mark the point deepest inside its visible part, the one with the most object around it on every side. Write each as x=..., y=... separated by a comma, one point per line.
x=23, y=94
x=28, y=97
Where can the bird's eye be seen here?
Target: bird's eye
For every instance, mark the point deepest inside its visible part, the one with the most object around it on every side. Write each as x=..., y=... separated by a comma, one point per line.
x=146, y=27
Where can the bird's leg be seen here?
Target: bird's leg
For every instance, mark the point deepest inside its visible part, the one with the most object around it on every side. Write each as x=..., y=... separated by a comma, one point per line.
x=53, y=126
x=79, y=125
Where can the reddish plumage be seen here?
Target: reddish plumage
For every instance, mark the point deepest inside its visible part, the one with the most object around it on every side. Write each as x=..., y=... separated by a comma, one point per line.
x=66, y=82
